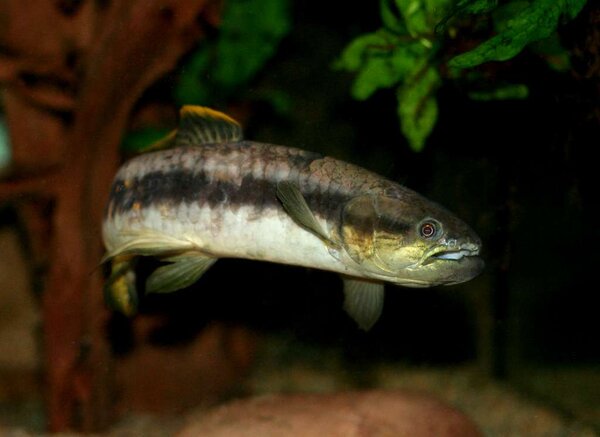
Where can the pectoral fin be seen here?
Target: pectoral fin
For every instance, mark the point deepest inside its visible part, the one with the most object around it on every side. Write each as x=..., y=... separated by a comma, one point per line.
x=295, y=205
x=181, y=272
x=363, y=301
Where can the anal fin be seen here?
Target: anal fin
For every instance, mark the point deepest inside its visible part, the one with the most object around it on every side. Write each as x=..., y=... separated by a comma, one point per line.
x=180, y=272
x=148, y=243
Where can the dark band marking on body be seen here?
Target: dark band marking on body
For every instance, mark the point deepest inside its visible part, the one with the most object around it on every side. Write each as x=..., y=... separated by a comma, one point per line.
x=184, y=187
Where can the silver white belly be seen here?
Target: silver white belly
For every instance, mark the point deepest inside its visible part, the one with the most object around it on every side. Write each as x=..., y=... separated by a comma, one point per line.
x=270, y=235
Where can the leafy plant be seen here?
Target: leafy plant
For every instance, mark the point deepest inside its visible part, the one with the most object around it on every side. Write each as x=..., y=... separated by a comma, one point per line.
x=222, y=67
x=248, y=36
x=407, y=52
x=402, y=54
x=518, y=24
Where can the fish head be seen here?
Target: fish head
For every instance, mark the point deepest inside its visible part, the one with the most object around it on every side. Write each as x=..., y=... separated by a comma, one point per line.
x=404, y=238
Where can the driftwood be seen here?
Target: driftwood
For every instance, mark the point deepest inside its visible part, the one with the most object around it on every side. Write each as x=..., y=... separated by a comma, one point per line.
x=72, y=72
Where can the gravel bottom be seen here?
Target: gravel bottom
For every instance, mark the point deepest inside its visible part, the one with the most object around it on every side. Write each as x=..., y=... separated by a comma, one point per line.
x=497, y=408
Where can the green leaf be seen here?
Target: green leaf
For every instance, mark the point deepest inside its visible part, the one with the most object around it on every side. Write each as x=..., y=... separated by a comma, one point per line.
x=408, y=57
x=415, y=16
x=476, y=6
x=391, y=20
x=506, y=14
x=507, y=92
x=356, y=54
x=377, y=73
x=192, y=86
x=551, y=49
x=464, y=7
x=417, y=106
x=537, y=20
x=387, y=71
x=572, y=7
x=421, y=16
x=380, y=60
x=250, y=33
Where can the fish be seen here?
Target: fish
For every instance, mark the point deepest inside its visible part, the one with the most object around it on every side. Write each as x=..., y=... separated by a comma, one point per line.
x=208, y=193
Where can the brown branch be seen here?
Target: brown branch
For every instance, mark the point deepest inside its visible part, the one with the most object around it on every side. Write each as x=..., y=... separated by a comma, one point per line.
x=108, y=57
x=24, y=186
x=37, y=136
x=45, y=92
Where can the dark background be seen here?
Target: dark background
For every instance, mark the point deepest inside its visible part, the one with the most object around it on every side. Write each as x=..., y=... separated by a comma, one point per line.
x=519, y=171
x=522, y=173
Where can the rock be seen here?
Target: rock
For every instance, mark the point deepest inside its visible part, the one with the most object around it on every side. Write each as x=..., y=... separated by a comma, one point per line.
x=170, y=379
x=366, y=414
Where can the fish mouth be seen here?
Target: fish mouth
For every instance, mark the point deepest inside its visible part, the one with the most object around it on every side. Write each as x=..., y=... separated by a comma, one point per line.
x=451, y=251
x=446, y=263
x=454, y=255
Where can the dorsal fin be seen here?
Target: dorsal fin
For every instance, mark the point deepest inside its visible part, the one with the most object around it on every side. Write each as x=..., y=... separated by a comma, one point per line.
x=199, y=125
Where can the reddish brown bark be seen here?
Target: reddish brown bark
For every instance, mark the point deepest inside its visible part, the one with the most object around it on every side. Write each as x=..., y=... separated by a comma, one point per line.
x=73, y=72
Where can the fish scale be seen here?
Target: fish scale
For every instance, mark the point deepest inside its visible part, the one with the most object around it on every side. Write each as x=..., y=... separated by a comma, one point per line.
x=210, y=194
x=246, y=175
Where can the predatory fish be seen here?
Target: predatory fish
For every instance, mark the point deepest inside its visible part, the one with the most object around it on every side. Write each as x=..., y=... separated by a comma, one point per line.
x=210, y=194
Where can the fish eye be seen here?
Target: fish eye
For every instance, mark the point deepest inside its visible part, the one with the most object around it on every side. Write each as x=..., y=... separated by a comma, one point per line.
x=429, y=229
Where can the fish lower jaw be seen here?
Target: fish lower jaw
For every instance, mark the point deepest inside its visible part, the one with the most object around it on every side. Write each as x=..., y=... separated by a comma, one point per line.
x=454, y=252
x=455, y=255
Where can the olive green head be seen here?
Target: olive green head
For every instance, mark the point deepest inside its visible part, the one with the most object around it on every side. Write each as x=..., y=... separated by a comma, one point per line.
x=402, y=237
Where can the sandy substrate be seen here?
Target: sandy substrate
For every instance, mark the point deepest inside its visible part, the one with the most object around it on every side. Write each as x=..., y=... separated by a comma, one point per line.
x=275, y=395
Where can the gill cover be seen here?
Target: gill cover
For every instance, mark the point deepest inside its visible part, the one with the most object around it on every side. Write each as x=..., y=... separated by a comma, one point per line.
x=359, y=218
x=379, y=242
